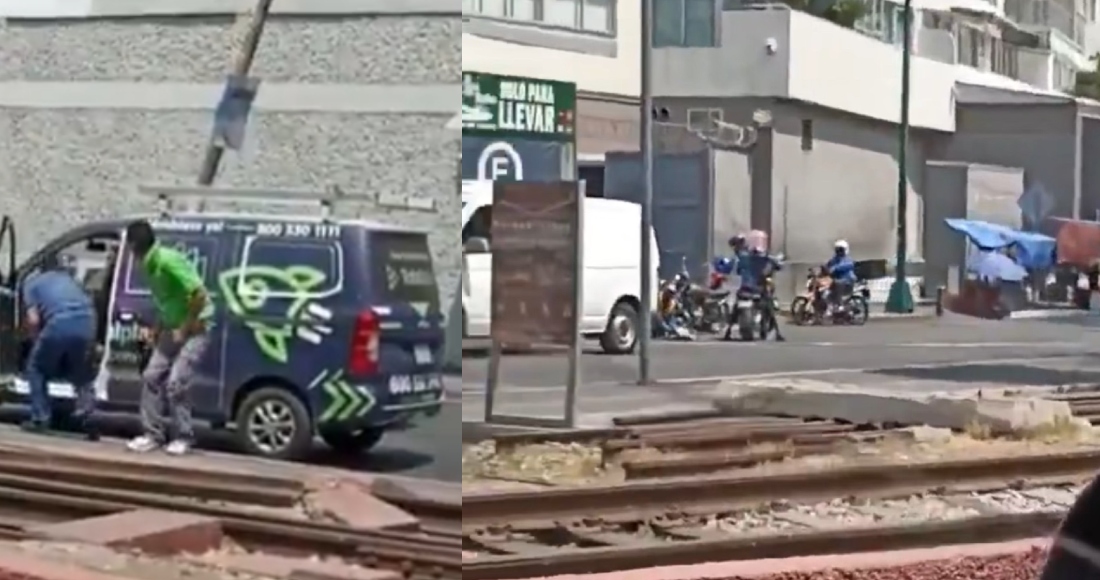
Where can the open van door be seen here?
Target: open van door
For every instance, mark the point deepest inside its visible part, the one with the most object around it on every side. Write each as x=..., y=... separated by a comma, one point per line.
x=10, y=343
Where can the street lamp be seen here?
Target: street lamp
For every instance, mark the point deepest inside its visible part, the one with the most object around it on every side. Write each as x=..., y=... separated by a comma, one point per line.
x=900, y=300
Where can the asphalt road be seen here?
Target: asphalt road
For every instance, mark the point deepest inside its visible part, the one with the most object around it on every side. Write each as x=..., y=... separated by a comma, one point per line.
x=944, y=353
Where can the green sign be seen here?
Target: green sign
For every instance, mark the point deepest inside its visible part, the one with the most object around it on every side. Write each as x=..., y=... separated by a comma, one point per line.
x=500, y=106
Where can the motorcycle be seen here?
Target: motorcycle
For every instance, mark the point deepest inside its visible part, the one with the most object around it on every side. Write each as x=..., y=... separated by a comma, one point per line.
x=809, y=307
x=856, y=306
x=749, y=314
x=704, y=307
x=814, y=305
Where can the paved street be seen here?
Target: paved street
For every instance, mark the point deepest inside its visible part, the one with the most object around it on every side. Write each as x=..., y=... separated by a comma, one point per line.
x=951, y=352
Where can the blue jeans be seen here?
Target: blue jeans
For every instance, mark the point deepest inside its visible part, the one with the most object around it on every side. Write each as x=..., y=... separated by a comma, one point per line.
x=62, y=352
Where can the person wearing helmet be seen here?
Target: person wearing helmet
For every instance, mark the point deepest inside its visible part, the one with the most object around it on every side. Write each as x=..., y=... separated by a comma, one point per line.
x=842, y=270
x=755, y=265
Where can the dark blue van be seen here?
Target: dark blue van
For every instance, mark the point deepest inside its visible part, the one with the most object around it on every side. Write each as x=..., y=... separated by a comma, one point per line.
x=326, y=327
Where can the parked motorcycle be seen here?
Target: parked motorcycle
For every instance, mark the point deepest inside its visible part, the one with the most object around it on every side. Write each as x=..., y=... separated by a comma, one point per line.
x=704, y=307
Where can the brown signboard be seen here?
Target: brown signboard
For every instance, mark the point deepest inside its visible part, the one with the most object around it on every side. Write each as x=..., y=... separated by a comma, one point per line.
x=535, y=238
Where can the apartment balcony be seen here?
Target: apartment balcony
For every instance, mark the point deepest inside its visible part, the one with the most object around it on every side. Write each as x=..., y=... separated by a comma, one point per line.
x=1049, y=14
x=773, y=51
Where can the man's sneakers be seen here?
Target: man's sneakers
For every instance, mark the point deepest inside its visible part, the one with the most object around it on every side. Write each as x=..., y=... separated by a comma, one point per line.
x=145, y=444
x=32, y=426
x=178, y=447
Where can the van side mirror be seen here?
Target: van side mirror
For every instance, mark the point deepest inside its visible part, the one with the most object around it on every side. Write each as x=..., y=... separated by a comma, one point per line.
x=476, y=246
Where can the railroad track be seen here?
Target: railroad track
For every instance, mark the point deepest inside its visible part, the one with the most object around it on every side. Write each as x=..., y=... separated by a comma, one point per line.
x=686, y=521
x=702, y=442
x=66, y=487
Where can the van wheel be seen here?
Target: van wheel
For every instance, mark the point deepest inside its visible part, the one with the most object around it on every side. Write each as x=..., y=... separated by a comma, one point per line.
x=348, y=442
x=272, y=422
x=621, y=334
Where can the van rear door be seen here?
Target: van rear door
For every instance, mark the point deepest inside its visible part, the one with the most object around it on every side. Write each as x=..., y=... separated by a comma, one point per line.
x=10, y=341
x=405, y=298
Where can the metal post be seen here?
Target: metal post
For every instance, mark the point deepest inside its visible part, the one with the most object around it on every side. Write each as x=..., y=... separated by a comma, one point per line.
x=241, y=67
x=900, y=299
x=647, y=192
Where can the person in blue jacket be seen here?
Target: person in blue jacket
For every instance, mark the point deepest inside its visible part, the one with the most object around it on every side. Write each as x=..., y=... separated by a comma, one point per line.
x=754, y=266
x=842, y=269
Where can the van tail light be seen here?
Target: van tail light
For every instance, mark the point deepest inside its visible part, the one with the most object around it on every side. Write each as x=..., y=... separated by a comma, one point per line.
x=363, y=359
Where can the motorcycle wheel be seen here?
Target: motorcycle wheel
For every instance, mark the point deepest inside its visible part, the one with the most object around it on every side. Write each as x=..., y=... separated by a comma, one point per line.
x=713, y=320
x=857, y=310
x=801, y=313
x=745, y=324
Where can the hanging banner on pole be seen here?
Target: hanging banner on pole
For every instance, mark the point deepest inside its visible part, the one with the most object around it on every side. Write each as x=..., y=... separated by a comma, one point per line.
x=231, y=114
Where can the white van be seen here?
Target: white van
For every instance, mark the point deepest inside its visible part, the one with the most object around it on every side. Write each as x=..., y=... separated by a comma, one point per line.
x=612, y=269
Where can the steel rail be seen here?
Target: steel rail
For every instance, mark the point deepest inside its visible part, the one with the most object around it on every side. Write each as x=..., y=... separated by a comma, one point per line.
x=724, y=436
x=167, y=479
x=422, y=555
x=730, y=492
x=647, y=554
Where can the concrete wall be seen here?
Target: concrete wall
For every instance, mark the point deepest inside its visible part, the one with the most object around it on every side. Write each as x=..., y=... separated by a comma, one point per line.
x=843, y=187
x=1039, y=138
x=960, y=190
x=607, y=124
x=91, y=107
x=814, y=61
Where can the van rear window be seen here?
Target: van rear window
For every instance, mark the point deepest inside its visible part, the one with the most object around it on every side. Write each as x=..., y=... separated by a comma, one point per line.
x=403, y=269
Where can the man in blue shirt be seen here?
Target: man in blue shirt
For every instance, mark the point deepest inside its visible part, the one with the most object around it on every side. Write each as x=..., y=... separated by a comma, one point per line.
x=61, y=318
x=842, y=270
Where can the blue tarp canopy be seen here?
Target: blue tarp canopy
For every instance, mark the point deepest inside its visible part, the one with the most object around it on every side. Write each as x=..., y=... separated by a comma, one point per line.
x=1034, y=251
x=992, y=265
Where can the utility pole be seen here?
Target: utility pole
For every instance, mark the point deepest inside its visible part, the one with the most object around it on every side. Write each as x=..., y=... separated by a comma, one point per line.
x=900, y=299
x=645, y=316
x=241, y=68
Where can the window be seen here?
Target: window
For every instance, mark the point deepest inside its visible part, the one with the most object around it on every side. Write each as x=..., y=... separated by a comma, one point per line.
x=589, y=15
x=403, y=269
x=198, y=250
x=685, y=23
x=882, y=20
x=807, y=134
x=704, y=120
x=279, y=254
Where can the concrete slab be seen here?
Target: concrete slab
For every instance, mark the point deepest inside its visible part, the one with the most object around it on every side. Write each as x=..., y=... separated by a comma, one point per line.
x=861, y=404
x=150, y=531
x=351, y=503
x=292, y=568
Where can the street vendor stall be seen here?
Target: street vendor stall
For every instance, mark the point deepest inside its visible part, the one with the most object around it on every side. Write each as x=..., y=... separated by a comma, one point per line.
x=1001, y=263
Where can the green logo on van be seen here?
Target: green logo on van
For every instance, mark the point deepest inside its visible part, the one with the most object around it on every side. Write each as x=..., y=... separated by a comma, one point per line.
x=254, y=290
x=344, y=399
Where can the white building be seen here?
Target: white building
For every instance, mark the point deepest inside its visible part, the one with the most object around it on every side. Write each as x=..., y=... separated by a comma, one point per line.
x=1027, y=45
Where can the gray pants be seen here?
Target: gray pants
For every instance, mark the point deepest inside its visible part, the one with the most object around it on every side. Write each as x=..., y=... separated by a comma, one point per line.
x=168, y=378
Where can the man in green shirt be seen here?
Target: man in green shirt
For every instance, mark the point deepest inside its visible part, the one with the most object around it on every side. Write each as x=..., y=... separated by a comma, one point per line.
x=179, y=338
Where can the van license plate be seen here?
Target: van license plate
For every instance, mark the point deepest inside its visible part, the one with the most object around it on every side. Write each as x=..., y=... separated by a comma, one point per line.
x=422, y=354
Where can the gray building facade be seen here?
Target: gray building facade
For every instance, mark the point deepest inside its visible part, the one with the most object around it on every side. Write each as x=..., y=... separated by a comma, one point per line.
x=352, y=95
x=817, y=176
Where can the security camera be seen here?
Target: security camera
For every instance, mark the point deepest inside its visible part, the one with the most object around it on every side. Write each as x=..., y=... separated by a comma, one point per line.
x=771, y=45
